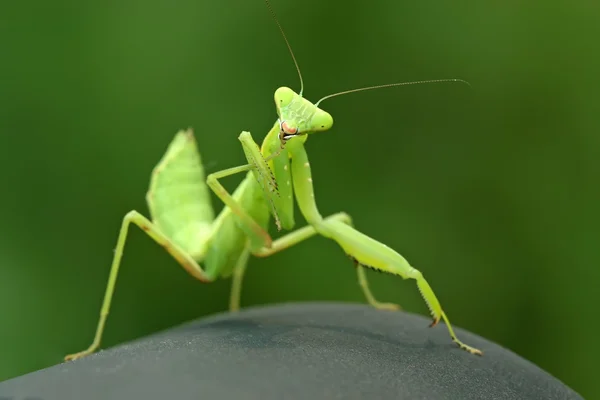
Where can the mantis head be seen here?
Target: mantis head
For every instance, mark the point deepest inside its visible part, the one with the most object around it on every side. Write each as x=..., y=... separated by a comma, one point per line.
x=298, y=116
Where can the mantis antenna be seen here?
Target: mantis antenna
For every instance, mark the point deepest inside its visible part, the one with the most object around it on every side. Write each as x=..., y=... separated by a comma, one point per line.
x=390, y=85
x=272, y=11
x=288, y=45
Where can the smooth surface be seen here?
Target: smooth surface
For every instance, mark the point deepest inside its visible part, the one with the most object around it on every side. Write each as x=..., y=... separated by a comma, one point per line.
x=297, y=351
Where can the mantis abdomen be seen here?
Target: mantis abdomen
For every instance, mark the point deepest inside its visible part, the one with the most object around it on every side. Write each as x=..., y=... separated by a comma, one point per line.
x=178, y=198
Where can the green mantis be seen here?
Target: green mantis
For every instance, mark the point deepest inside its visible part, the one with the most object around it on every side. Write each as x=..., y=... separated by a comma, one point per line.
x=209, y=247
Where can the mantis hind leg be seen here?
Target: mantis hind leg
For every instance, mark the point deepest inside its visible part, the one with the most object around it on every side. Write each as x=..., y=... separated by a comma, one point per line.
x=186, y=261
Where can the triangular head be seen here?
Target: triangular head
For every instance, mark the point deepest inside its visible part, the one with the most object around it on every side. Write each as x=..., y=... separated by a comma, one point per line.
x=298, y=116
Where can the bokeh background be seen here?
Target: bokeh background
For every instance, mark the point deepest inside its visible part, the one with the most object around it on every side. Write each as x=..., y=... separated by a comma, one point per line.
x=491, y=191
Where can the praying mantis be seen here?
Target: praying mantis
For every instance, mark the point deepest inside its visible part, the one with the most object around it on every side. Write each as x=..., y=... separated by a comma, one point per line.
x=208, y=247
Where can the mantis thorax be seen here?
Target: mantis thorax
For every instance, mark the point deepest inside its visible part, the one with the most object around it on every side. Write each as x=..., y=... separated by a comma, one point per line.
x=298, y=116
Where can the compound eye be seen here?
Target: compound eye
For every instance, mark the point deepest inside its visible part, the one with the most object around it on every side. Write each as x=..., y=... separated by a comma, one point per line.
x=284, y=96
x=321, y=121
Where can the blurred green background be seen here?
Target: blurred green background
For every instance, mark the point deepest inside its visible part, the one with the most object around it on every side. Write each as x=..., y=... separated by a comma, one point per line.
x=492, y=191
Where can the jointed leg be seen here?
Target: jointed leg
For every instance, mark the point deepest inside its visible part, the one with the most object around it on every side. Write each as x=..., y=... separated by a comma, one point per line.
x=278, y=198
x=264, y=176
x=376, y=255
x=236, y=281
x=280, y=244
x=362, y=281
x=257, y=235
x=309, y=231
x=183, y=258
x=364, y=249
x=299, y=235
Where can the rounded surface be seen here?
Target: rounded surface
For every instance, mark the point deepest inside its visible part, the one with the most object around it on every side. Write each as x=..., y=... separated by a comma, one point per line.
x=296, y=351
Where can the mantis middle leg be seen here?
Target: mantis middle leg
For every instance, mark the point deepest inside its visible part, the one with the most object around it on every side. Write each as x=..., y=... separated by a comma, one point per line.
x=286, y=242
